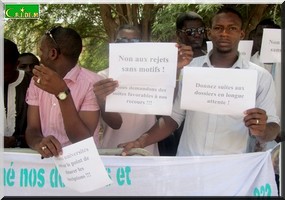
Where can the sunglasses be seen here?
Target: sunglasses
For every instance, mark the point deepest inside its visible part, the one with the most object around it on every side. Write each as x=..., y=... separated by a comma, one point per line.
x=50, y=33
x=192, y=31
x=125, y=40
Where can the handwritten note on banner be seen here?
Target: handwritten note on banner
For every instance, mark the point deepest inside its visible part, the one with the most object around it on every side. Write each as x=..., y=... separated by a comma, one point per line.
x=218, y=91
x=270, y=51
x=146, y=73
x=81, y=167
x=244, y=47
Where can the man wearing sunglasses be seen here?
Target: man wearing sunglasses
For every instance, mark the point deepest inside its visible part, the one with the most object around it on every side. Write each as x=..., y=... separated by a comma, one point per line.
x=62, y=106
x=190, y=30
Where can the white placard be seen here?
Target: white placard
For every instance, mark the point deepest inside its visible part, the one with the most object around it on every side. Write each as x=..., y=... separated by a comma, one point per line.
x=81, y=167
x=270, y=51
x=218, y=90
x=146, y=73
x=244, y=47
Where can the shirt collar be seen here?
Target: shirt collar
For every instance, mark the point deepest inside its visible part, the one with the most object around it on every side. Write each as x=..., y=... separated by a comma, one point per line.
x=73, y=73
x=237, y=65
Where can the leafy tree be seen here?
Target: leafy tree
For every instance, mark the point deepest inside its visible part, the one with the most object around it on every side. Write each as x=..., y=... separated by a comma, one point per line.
x=97, y=24
x=164, y=26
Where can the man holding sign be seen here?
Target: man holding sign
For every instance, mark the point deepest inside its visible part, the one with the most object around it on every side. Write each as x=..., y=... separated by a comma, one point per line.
x=124, y=126
x=214, y=134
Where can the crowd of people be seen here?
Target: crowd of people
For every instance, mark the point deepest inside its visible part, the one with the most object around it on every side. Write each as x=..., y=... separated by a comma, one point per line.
x=52, y=101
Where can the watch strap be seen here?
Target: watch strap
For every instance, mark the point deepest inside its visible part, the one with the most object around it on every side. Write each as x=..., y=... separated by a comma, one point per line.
x=67, y=92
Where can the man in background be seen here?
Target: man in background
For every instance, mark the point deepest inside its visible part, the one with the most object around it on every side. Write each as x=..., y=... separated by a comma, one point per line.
x=191, y=31
x=27, y=62
x=16, y=84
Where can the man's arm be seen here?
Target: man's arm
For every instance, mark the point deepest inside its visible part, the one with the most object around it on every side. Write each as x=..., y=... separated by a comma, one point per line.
x=78, y=126
x=256, y=121
x=164, y=126
x=102, y=89
x=185, y=56
x=34, y=137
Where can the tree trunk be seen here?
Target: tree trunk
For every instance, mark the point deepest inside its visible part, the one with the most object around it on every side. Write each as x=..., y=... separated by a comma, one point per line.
x=108, y=21
x=128, y=14
x=256, y=14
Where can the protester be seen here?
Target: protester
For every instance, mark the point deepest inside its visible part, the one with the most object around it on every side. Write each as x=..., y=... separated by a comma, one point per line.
x=122, y=127
x=275, y=70
x=15, y=87
x=211, y=134
x=62, y=106
x=27, y=62
x=191, y=31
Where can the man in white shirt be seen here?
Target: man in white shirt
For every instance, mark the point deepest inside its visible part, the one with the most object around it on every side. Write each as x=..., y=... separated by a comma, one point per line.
x=210, y=134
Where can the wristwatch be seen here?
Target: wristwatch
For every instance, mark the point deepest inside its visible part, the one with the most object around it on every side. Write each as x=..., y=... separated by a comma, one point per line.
x=63, y=95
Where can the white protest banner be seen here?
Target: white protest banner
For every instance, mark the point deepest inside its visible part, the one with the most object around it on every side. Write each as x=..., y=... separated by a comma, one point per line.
x=248, y=174
x=244, y=47
x=218, y=90
x=270, y=51
x=81, y=167
x=146, y=73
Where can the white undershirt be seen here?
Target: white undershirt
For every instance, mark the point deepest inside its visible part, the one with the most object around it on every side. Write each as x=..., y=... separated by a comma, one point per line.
x=10, y=117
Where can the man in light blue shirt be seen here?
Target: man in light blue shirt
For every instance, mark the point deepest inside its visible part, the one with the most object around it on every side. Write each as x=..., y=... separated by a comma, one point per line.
x=210, y=134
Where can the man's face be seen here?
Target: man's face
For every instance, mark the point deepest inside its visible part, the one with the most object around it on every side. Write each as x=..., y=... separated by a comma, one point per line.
x=127, y=35
x=42, y=50
x=192, y=33
x=26, y=63
x=226, y=32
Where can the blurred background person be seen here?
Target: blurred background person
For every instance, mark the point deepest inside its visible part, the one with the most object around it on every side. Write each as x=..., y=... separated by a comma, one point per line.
x=121, y=127
x=273, y=68
x=27, y=62
x=15, y=86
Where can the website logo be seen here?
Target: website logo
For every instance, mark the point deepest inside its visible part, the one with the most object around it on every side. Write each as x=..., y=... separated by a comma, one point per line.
x=22, y=11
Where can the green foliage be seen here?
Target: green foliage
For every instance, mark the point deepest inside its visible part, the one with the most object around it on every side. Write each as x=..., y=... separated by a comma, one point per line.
x=94, y=55
x=87, y=21
x=84, y=18
x=163, y=29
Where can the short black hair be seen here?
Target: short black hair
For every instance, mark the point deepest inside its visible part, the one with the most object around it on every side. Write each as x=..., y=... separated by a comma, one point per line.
x=35, y=59
x=11, y=53
x=268, y=22
x=68, y=41
x=227, y=9
x=128, y=27
x=188, y=16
